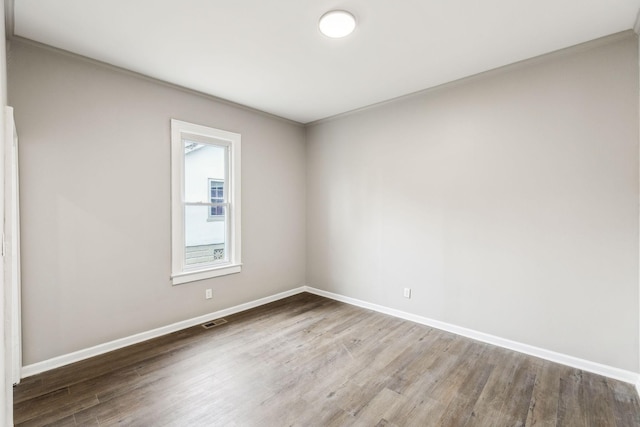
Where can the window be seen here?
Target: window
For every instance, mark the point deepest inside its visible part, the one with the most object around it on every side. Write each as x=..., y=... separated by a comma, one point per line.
x=216, y=193
x=205, y=199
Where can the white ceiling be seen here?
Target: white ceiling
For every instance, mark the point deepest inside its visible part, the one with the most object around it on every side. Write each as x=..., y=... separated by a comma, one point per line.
x=269, y=54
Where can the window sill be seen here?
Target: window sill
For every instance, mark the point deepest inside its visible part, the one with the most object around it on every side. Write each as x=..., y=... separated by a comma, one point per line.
x=192, y=276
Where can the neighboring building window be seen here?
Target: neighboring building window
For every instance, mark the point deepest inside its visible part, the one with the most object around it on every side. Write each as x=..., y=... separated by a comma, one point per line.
x=216, y=195
x=205, y=211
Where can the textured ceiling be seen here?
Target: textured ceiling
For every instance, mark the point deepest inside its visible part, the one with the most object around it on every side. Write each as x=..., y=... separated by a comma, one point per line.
x=270, y=55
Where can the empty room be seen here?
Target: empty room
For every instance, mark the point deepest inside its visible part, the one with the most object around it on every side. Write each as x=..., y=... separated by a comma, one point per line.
x=328, y=213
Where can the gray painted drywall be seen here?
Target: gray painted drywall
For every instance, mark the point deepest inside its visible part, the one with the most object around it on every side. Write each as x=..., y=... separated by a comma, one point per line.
x=508, y=202
x=95, y=182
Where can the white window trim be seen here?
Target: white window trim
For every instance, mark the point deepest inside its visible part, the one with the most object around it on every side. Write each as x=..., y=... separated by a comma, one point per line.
x=180, y=274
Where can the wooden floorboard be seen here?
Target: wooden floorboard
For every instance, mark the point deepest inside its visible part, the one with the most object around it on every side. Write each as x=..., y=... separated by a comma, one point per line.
x=311, y=361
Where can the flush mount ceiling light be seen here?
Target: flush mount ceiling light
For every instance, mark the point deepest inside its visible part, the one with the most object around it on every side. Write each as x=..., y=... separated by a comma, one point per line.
x=337, y=23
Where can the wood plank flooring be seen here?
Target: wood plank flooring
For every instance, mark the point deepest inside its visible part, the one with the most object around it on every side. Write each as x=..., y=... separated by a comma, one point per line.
x=310, y=361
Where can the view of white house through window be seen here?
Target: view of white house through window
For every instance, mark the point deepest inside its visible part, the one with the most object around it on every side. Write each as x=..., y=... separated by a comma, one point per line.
x=206, y=220
x=204, y=201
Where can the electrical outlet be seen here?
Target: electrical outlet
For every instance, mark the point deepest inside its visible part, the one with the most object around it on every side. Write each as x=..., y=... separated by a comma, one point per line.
x=407, y=292
x=208, y=294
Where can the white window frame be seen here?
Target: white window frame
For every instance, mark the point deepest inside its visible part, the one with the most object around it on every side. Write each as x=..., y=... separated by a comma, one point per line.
x=180, y=272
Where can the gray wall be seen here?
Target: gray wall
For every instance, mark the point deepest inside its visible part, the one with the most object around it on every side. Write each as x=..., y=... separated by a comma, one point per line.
x=508, y=202
x=95, y=182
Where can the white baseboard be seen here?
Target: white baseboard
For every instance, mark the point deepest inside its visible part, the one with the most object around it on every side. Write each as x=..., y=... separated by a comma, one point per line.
x=97, y=350
x=585, y=365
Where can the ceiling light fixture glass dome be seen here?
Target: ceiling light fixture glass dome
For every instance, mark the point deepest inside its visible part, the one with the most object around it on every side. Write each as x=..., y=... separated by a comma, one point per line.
x=337, y=23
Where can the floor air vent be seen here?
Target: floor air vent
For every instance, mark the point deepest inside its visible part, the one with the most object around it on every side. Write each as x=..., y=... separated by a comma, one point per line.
x=214, y=323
